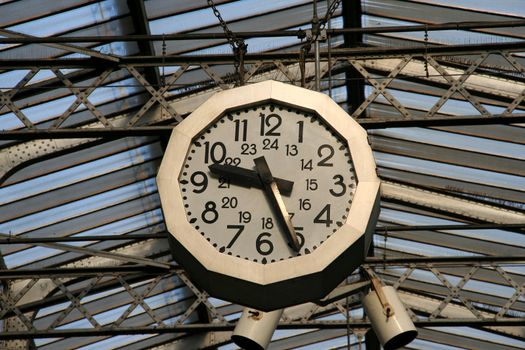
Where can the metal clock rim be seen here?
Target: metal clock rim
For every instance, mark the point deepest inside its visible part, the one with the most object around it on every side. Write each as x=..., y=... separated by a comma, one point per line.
x=265, y=274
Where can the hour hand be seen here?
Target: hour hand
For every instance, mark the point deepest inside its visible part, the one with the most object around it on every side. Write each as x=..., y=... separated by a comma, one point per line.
x=247, y=177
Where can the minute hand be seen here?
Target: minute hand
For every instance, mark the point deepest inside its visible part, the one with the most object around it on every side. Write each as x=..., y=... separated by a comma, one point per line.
x=247, y=177
x=272, y=192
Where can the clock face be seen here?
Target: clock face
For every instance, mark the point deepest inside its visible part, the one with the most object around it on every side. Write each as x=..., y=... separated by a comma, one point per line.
x=298, y=147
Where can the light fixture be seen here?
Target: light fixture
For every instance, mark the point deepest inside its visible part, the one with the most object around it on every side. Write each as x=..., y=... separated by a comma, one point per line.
x=255, y=328
x=388, y=316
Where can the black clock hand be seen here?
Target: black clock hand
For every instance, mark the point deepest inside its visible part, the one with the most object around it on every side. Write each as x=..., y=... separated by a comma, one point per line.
x=272, y=192
x=247, y=177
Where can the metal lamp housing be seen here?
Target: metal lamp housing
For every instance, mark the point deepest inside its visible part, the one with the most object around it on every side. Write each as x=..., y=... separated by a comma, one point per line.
x=291, y=281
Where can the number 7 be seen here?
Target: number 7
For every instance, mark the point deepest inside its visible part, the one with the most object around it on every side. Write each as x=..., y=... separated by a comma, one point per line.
x=239, y=229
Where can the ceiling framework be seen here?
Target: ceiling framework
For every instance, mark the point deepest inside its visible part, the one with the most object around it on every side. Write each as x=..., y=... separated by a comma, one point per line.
x=449, y=303
x=445, y=122
x=465, y=72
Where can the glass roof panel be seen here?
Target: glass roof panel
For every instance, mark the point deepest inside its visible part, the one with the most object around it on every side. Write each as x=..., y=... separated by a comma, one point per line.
x=504, y=7
x=447, y=139
x=230, y=12
x=69, y=20
x=64, y=196
x=450, y=37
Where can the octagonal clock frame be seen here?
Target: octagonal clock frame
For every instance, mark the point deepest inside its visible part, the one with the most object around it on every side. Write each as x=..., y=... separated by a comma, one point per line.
x=290, y=281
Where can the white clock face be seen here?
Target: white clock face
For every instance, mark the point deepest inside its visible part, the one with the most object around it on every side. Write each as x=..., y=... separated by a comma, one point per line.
x=298, y=147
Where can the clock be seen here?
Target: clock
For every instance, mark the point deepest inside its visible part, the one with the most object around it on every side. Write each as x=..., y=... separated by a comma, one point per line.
x=270, y=194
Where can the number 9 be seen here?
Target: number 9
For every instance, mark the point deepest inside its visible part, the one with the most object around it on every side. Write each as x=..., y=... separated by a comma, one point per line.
x=199, y=179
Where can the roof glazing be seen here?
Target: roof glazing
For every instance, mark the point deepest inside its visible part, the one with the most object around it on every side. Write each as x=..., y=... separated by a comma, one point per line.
x=99, y=187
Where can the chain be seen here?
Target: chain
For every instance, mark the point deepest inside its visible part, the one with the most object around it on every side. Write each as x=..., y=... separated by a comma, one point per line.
x=426, y=50
x=239, y=47
x=318, y=25
x=329, y=13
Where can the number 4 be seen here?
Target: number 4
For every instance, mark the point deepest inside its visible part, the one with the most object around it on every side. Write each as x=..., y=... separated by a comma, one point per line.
x=324, y=216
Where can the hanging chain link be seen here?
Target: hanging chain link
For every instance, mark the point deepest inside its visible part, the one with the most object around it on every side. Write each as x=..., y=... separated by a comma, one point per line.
x=329, y=13
x=426, y=51
x=239, y=47
x=318, y=25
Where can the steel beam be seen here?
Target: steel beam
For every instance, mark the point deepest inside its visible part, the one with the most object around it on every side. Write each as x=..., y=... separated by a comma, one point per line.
x=74, y=272
x=382, y=229
x=7, y=274
x=226, y=326
x=36, y=240
x=102, y=254
x=440, y=260
x=380, y=123
x=463, y=25
x=141, y=24
x=450, y=204
x=353, y=37
x=164, y=131
x=292, y=56
x=9, y=34
x=80, y=133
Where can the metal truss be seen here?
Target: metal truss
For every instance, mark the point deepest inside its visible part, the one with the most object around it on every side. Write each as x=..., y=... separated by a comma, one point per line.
x=467, y=78
x=439, y=303
x=446, y=298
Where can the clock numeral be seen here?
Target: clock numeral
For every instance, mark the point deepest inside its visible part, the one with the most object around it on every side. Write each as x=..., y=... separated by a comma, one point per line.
x=339, y=181
x=269, y=124
x=215, y=152
x=300, y=236
x=248, y=148
x=269, y=144
x=229, y=202
x=266, y=223
x=311, y=184
x=263, y=245
x=241, y=129
x=304, y=204
x=232, y=161
x=245, y=217
x=324, y=216
x=307, y=164
x=210, y=213
x=239, y=229
x=327, y=152
x=200, y=181
x=224, y=182
x=291, y=150
x=300, y=125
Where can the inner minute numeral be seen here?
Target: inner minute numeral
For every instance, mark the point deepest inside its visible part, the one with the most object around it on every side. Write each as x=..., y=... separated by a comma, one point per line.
x=312, y=184
x=291, y=150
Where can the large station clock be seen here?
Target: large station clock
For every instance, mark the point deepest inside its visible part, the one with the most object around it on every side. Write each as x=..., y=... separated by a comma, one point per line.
x=270, y=194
